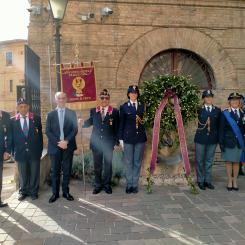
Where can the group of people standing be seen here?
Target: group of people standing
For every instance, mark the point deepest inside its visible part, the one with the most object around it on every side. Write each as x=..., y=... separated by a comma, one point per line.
x=226, y=128
x=22, y=136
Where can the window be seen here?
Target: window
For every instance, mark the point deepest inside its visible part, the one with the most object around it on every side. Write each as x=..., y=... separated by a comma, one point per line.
x=9, y=59
x=180, y=62
x=11, y=86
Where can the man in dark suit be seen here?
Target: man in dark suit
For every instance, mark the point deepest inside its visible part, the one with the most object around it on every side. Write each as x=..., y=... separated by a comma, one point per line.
x=206, y=139
x=105, y=122
x=61, y=129
x=5, y=146
x=27, y=139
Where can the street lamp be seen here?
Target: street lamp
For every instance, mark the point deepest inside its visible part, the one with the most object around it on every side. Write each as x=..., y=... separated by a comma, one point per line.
x=58, y=8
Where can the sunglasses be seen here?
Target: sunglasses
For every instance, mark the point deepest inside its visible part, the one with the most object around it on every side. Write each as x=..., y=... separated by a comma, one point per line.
x=104, y=98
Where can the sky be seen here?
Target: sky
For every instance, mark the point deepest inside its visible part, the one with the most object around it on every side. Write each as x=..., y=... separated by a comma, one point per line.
x=14, y=19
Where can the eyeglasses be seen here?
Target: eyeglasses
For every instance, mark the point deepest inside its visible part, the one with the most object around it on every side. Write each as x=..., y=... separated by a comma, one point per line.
x=104, y=98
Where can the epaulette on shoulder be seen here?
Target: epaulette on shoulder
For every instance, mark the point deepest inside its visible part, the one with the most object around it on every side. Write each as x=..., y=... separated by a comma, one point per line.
x=227, y=109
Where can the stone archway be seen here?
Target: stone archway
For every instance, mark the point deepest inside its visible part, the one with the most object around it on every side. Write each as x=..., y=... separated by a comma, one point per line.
x=154, y=42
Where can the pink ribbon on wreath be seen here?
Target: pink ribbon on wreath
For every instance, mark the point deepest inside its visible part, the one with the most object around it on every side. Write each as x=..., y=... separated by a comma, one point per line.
x=180, y=128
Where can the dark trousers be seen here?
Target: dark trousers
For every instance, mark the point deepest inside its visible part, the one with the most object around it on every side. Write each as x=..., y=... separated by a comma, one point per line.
x=103, y=163
x=1, y=173
x=29, y=176
x=62, y=160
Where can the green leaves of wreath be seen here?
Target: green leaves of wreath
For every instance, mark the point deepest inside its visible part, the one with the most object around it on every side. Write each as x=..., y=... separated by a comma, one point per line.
x=152, y=93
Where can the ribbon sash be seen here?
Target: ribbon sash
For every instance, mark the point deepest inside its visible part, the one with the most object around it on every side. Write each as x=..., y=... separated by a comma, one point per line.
x=181, y=132
x=237, y=132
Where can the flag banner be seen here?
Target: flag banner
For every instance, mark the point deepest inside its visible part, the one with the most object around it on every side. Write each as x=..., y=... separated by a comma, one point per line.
x=79, y=83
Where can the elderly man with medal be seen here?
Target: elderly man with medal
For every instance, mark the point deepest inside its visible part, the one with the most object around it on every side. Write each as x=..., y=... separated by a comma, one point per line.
x=206, y=139
x=231, y=138
x=132, y=137
x=105, y=121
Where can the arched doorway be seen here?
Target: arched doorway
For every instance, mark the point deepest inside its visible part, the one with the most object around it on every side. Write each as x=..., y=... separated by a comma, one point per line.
x=180, y=62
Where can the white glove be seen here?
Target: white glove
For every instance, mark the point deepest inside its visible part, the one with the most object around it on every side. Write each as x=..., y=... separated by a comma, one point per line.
x=121, y=144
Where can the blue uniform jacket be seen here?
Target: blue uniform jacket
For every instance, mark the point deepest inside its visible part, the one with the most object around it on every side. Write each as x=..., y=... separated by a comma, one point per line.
x=104, y=133
x=5, y=133
x=227, y=138
x=53, y=130
x=128, y=132
x=202, y=135
x=32, y=144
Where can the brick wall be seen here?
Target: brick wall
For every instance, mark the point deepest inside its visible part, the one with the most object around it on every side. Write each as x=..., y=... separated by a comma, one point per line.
x=137, y=30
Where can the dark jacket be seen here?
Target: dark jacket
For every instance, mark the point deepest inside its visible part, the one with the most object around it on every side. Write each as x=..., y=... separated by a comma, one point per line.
x=202, y=135
x=128, y=132
x=104, y=133
x=32, y=144
x=227, y=138
x=53, y=130
x=5, y=133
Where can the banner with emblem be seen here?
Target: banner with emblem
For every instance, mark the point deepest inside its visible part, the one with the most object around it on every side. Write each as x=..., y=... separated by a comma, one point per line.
x=79, y=83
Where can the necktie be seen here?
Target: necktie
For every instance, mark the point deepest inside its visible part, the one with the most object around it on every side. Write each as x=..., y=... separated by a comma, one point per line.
x=103, y=113
x=134, y=106
x=25, y=127
x=236, y=114
x=209, y=109
x=61, y=124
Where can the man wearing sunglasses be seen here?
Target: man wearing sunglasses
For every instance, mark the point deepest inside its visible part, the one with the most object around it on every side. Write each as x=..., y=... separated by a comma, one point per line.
x=105, y=121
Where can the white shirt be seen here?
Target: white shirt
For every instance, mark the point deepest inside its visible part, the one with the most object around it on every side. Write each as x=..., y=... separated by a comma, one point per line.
x=136, y=103
x=208, y=106
x=22, y=120
x=238, y=112
x=59, y=109
x=105, y=109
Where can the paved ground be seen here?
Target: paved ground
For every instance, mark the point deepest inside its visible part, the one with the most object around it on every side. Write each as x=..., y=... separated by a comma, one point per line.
x=171, y=215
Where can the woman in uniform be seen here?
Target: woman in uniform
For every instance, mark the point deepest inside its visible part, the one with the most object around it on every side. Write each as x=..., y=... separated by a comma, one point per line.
x=132, y=137
x=206, y=140
x=231, y=138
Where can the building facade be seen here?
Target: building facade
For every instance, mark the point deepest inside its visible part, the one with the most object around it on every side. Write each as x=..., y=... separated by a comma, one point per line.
x=140, y=39
x=12, y=70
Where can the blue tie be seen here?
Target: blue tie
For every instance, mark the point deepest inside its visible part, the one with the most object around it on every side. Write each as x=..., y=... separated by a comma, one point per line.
x=61, y=124
x=25, y=127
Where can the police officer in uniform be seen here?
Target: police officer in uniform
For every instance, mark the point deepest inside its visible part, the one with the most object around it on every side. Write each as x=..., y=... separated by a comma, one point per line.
x=132, y=137
x=27, y=148
x=5, y=146
x=105, y=122
x=231, y=151
x=206, y=139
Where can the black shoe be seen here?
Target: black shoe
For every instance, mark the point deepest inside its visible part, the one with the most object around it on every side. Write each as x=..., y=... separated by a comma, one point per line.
x=229, y=188
x=97, y=190
x=129, y=190
x=53, y=198
x=209, y=186
x=108, y=190
x=201, y=186
x=3, y=205
x=22, y=197
x=135, y=190
x=235, y=188
x=68, y=196
x=34, y=197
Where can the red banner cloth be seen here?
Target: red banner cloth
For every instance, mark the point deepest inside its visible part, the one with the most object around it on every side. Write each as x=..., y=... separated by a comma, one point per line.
x=79, y=84
x=181, y=132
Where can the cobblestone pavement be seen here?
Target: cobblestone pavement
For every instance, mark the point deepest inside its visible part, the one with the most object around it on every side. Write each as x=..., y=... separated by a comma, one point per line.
x=170, y=215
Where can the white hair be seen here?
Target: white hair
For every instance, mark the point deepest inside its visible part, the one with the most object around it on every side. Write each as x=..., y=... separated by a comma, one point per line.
x=57, y=94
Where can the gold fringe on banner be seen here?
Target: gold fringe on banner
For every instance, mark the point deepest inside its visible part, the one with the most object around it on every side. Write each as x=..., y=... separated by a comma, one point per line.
x=81, y=105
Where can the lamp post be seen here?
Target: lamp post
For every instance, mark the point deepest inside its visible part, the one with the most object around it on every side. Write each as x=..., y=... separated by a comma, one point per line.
x=58, y=8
